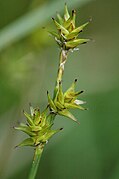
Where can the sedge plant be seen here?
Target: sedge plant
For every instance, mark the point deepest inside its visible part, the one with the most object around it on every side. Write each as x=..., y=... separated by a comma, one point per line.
x=39, y=124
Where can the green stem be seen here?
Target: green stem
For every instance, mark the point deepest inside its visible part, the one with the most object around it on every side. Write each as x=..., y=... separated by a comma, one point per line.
x=62, y=61
x=36, y=160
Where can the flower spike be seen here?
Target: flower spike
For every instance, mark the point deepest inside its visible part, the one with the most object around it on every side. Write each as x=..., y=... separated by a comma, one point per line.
x=67, y=36
x=64, y=101
x=38, y=128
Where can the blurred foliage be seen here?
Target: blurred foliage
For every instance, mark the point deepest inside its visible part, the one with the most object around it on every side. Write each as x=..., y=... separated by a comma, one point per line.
x=28, y=69
x=11, y=10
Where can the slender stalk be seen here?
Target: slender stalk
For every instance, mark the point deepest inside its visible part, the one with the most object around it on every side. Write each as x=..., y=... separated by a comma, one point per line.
x=36, y=160
x=62, y=61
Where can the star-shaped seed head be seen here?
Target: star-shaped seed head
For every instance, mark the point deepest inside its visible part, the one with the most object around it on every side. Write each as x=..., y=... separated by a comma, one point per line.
x=67, y=36
x=38, y=127
x=65, y=101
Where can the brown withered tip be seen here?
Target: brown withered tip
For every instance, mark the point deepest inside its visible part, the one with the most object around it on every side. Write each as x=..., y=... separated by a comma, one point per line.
x=81, y=91
x=86, y=109
x=73, y=11
x=76, y=80
x=16, y=146
x=61, y=128
x=60, y=82
x=53, y=18
x=47, y=92
x=78, y=122
x=84, y=43
x=47, y=106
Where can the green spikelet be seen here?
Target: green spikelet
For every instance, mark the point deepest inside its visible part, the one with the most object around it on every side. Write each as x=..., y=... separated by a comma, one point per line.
x=67, y=36
x=65, y=101
x=38, y=128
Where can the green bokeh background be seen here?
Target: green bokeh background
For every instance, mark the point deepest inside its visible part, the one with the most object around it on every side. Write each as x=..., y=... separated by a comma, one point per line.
x=28, y=67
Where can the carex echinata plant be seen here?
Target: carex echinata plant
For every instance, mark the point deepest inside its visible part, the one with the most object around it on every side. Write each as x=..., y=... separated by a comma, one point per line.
x=39, y=124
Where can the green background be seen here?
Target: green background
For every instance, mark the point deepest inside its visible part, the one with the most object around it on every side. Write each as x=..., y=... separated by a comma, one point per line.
x=28, y=67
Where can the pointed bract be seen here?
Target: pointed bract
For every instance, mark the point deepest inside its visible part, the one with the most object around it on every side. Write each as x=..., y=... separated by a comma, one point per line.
x=74, y=43
x=60, y=96
x=54, y=34
x=26, y=142
x=66, y=13
x=51, y=103
x=66, y=113
x=61, y=20
x=60, y=27
x=26, y=129
x=73, y=18
x=29, y=118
